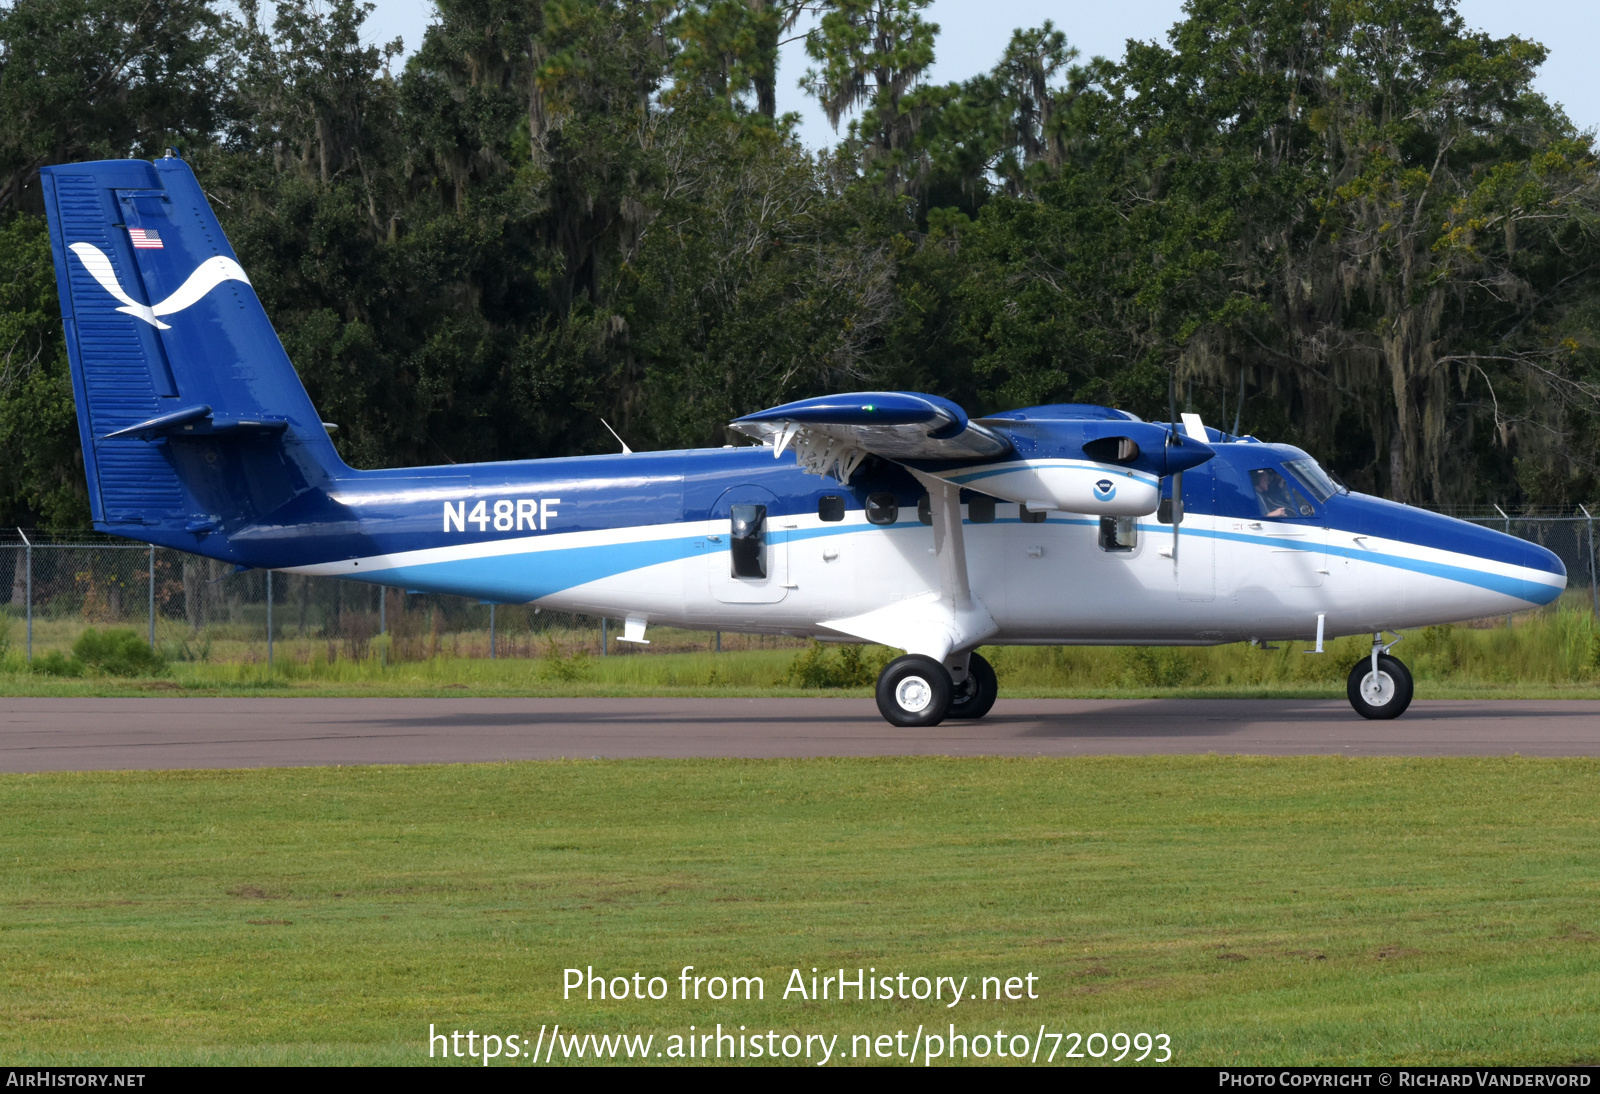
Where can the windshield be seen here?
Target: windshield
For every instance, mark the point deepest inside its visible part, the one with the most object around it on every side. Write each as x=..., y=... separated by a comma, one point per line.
x=1314, y=479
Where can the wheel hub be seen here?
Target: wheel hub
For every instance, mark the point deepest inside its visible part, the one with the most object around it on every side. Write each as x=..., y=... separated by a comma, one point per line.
x=913, y=694
x=1377, y=688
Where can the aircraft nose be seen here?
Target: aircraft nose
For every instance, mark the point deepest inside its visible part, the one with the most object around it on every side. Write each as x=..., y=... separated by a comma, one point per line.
x=1540, y=575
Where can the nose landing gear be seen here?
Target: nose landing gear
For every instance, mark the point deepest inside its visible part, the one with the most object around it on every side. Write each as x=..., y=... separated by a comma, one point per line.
x=1379, y=686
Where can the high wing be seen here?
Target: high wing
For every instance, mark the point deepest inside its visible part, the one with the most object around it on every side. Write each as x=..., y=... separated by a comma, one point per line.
x=834, y=433
x=1082, y=459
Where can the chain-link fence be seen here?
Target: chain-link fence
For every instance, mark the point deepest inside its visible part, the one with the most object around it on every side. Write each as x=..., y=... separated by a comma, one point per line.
x=1568, y=535
x=197, y=609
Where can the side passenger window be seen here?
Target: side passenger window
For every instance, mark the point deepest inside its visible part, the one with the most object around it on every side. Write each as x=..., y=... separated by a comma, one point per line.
x=882, y=509
x=980, y=510
x=748, y=545
x=1028, y=516
x=830, y=507
x=1119, y=533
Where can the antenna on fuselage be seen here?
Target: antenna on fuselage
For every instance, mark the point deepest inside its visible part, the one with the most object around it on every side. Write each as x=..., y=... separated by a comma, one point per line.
x=1238, y=409
x=626, y=451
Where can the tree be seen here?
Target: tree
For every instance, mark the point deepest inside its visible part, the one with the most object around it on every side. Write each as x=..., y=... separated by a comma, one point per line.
x=82, y=80
x=872, y=54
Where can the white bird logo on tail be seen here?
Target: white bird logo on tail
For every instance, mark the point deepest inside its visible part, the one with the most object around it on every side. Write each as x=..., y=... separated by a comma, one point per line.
x=207, y=276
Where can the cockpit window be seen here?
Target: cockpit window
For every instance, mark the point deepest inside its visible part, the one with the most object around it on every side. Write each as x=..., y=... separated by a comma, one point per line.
x=1316, y=481
x=1276, y=497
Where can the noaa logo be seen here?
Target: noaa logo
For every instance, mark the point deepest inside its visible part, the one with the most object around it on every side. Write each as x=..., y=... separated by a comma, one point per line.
x=206, y=276
x=1105, y=490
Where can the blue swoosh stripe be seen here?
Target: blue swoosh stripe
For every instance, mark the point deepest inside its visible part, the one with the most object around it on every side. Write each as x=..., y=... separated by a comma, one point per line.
x=535, y=574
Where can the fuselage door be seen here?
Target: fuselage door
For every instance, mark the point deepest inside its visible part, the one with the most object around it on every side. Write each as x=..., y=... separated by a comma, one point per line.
x=1197, y=546
x=747, y=547
x=1291, y=523
x=1299, y=553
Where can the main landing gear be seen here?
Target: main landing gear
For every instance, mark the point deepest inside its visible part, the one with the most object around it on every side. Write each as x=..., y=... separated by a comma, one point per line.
x=916, y=691
x=1379, y=685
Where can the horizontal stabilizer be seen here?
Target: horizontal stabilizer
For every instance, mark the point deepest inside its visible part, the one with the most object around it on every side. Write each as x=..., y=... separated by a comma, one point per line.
x=198, y=421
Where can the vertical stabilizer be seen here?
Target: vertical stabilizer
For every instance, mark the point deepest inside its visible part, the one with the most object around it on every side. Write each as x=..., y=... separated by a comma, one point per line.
x=193, y=421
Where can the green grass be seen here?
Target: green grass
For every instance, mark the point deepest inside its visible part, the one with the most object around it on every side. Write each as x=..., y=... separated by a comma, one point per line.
x=1553, y=653
x=1267, y=911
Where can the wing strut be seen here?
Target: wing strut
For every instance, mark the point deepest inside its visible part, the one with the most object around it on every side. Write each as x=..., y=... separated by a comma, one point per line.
x=949, y=542
x=944, y=625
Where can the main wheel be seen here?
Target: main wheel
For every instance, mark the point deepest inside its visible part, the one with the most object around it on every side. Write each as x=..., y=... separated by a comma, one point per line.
x=913, y=691
x=1385, y=694
x=974, y=696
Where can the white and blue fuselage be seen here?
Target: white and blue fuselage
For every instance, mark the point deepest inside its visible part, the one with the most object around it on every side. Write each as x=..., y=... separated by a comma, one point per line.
x=648, y=535
x=885, y=517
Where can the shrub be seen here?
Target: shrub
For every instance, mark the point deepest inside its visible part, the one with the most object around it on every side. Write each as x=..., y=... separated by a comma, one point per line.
x=53, y=664
x=564, y=669
x=847, y=667
x=117, y=653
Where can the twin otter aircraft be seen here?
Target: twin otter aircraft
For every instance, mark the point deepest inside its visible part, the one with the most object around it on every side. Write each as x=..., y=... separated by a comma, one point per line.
x=895, y=519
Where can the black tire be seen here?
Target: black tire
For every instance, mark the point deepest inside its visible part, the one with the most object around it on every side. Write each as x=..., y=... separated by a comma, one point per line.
x=1393, y=694
x=913, y=692
x=974, y=697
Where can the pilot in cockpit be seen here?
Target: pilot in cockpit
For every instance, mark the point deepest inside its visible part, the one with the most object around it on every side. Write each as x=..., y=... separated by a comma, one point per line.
x=1274, y=495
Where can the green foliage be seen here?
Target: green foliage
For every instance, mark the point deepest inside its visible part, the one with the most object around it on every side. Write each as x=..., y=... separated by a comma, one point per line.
x=566, y=668
x=104, y=653
x=839, y=666
x=1355, y=227
x=54, y=663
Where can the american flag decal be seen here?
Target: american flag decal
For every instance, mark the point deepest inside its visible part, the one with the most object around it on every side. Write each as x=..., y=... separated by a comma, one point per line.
x=144, y=239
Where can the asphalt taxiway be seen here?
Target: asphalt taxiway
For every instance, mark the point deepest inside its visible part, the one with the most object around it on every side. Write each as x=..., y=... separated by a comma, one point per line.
x=170, y=733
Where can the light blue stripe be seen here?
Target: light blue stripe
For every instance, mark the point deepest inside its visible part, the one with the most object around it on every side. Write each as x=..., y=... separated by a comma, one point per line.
x=1534, y=592
x=535, y=574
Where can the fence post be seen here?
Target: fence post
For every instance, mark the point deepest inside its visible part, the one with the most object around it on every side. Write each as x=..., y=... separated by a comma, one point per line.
x=1594, y=590
x=719, y=641
x=603, y=622
x=1502, y=512
x=383, y=609
x=28, y=562
x=269, y=620
x=491, y=632
x=152, y=596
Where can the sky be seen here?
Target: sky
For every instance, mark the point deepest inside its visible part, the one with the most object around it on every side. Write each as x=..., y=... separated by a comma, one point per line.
x=972, y=37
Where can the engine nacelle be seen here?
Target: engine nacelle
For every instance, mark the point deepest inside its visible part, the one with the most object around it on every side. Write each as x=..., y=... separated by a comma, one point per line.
x=1106, y=467
x=1074, y=486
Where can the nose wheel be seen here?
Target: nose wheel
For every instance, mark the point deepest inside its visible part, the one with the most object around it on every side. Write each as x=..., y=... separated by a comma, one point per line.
x=1381, y=693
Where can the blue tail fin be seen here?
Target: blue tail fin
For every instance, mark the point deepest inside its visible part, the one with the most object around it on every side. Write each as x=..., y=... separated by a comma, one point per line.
x=193, y=421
